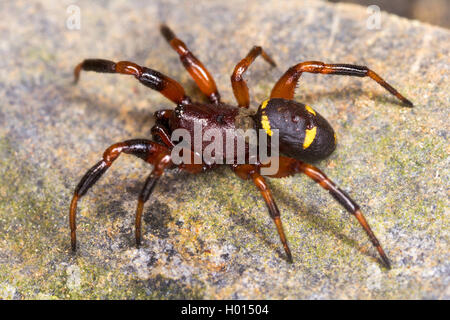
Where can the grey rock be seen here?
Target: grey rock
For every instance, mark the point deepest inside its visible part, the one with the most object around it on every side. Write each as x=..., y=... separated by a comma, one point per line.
x=217, y=240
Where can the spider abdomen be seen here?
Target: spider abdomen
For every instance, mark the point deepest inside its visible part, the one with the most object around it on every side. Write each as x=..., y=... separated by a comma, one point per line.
x=303, y=133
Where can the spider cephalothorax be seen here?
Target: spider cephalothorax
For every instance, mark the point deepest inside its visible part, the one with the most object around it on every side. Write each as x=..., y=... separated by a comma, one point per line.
x=303, y=133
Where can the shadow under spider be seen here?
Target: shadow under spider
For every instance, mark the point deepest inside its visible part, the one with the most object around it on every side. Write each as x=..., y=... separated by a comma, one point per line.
x=145, y=118
x=165, y=185
x=323, y=224
x=249, y=223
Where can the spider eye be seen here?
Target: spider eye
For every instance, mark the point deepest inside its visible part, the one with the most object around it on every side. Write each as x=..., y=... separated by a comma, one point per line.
x=179, y=110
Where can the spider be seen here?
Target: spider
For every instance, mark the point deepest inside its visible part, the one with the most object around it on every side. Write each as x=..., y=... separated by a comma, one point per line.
x=303, y=133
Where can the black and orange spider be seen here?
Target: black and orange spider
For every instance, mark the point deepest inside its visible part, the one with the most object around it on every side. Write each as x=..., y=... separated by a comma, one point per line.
x=303, y=133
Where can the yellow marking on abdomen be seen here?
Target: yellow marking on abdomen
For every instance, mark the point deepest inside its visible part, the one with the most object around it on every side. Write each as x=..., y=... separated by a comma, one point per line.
x=264, y=104
x=265, y=119
x=310, y=110
x=309, y=137
x=266, y=124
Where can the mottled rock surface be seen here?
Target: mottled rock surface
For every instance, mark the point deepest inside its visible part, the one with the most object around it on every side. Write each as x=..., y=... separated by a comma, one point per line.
x=209, y=235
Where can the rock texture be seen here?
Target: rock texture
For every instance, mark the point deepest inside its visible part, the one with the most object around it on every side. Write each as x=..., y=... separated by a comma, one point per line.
x=209, y=236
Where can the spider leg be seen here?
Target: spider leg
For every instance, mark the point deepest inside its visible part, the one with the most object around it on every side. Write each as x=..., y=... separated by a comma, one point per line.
x=247, y=171
x=240, y=88
x=147, y=190
x=289, y=166
x=153, y=79
x=158, y=130
x=195, y=68
x=151, y=152
x=285, y=86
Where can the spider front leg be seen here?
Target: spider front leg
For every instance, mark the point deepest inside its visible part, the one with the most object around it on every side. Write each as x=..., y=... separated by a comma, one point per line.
x=159, y=130
x=147, y=190
x=247, y=171
x=151, y=152
x=285, y=87
x=195, y=68
x=289, y=166
x=153, y=79
x=240, y=88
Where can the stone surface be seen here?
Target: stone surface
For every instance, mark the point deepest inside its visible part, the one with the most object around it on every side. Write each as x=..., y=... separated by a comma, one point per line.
x=209, y=235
